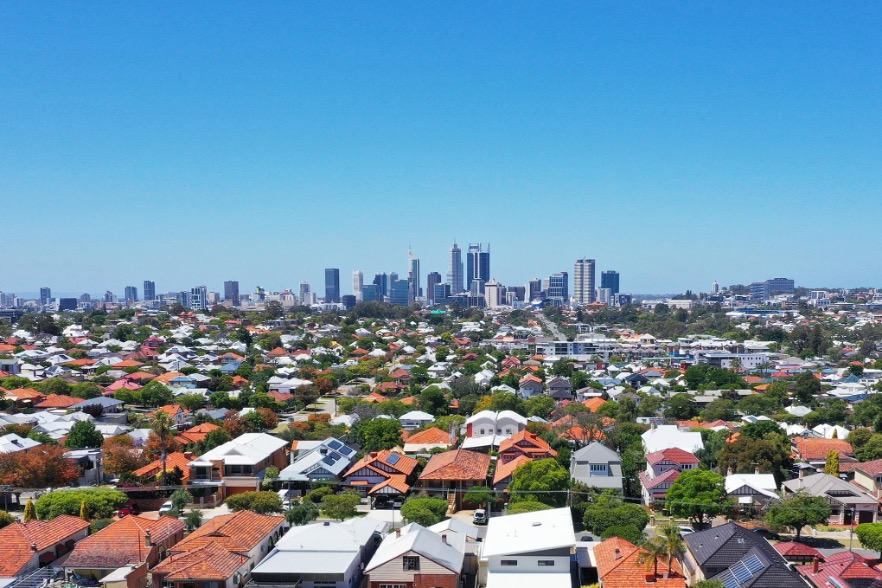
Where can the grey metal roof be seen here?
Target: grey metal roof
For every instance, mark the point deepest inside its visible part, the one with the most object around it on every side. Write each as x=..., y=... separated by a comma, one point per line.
x=720, y=547
x=755, y=570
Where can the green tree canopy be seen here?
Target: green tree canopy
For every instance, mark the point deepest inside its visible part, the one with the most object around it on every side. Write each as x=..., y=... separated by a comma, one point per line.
x=341, y=506
x=100, y=502
x=527, y=506
x=609, y=510
x=870, y=536
x=680, y=407
x=302, y=514
x=259, y=502
x=424, y=511
x=697, y=494
x=798, y=510
x=542, y=480
x=807, y=387
x=84, y=435
x=378, y=434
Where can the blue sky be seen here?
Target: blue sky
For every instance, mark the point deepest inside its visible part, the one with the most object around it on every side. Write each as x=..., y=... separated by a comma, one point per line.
x=677, y=142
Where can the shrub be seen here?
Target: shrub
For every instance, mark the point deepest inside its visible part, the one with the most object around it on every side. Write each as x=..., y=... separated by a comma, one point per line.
x=259, y=502
x=100, y=502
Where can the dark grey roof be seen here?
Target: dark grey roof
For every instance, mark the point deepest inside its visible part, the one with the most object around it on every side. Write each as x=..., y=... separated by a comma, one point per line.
x=102, y=401
x=755, y=570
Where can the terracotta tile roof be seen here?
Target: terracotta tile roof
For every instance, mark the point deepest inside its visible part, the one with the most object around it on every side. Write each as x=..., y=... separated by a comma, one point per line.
x=527, y=443
x=396, y=481
x=172, y=459
x=845, y=568
x=399, y=373
x=278, y=352
x=403, y=463
x=674, y=454
x=210, y=562
x=505, y=470
x=197, y=433
x=459, y=465
x=593, y=404
x=24, y=394
x=871, y=468
x=815, y=448
x=650, y=483
x=167, y=377
x=240, y=532
x=431, y=436
x=618, y=567
x=128, y=363
x=409, y=401
x=16, y=539
x=280, y=396
x=58, y=401
x=122, y=543
x=139, y=376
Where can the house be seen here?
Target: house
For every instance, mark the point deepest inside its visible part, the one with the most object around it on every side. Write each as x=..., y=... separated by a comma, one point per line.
x=661, y=437
x=845, y=569
x=620, y=565
x=25, y=547
x=238, y=465
x=178, y=415
x=560, y=388
x=736, y=557
x=106, y=404
x=751, y=489
x=59, y=401
x=416, y=556
x=196, y=434
x=503, y=472
x=427, y=440
x=487, y=429
x=530, y=386
x=451, y=473
x=222, y=552
x=132, y=545
x=24, y=397
x=814, y=450
x=597, y=466
x=325, y=461
x=415, y=419
x=662, y=469
x=868, y=475
x=382, y=473
x=847, y=500
x=527, y=444
x=321, y=555
x=527, y=550
x=11, y=443
x=177, y=459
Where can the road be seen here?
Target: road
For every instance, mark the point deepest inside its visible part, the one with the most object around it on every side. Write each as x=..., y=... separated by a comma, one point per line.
x=551, y=326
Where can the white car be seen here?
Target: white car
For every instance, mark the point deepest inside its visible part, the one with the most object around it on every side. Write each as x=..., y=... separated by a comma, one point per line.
x=165, y=508
x=684, y=530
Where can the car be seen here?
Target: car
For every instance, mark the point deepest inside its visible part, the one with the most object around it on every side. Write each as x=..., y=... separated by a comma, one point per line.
x=165, y=508
x=767, y=533
x=480, y=517
x=128, y=509
x=684, y=530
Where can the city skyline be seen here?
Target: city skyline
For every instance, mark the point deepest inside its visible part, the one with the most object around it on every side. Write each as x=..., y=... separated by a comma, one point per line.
x=729, y=136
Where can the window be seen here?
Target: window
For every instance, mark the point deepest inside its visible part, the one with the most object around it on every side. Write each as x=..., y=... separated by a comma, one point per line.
x=546, y=563
x=598, y=469
x=392, y=586
x=509, y=562
x=411, y=563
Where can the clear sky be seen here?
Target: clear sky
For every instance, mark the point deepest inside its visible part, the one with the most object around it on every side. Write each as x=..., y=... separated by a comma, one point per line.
x=677, y=142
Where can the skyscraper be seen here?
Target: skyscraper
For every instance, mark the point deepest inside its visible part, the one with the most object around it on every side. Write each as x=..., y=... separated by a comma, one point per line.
x=149, y=291
x=583, y=281
x=231, y=292
x=400, y=293
x=332, y=284
x=198, y=298
x=477, y=266
x=715, y=288
x=371, y=293
x=381, y=281
x=610, y=279
x=491, y=294
x=454, y=270
x=357, y=283
x=433, y=279
x=559, y=288
x=534, y=290
x=45, y=295
x=413, y=275
x=131, y=294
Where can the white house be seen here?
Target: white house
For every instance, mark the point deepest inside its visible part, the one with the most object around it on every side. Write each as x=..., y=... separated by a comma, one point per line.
x=415, y=419
x=663, y=437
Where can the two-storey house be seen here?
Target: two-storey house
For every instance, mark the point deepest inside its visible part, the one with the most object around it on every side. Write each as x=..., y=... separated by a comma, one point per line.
x=662, y=469
x=238, y=466
x=386, y=473
x=598, y=466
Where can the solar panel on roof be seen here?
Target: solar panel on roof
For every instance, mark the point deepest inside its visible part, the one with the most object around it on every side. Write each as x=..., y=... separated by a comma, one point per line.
x=334, y=444
x=741, y=573
x=754, y=564
x=346, y=450
x=393, y=458
x=729, y=581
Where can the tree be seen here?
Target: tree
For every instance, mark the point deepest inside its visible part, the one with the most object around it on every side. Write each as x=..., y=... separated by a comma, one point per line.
x=720, y=409
x=433, y=401
x=121, y=457
x=762, y=429
x=609, y=510
x=30, y=511
x=771, y=455
x=41, y=467
x=698, y=494
x=870, y=536
x=424, y=511
x=807, y=387
x=84, y=511
x=84, y=435
x=709, y=584
x=302, y=514
x=680, y=407
x=341, y=506
x=832, y=464
x=540, y=405
x=479, y=495
x=213, y=439
x=378, y=434
x=675, y=546
x=6, y=519
x=193, y=519
x=527, y=506
x=100, y=502
x=154, y=394
x=798, y=510
x=542, y=480
x=180, y=499
x=259, y=502
x=161, y=425
x=651, y=551
x=870, y=450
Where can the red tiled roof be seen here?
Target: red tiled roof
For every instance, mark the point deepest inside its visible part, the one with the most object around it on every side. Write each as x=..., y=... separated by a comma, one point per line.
x=197, y=433
x=842, y=567
x=403, y=463
x=123, y=542
x=176, y=459
x=871, y=468
x=593, y=404
x=431, y=436
x=24, y=394
x=674, y=454
x=505, y=470
x=210, y=562
x=458, y=465
x=527, y=443
x=815, y=448
x=58, y=401
x=650, y=483
x=618, y=567
x=16, y=539
x=797, y=550
x=240, y=532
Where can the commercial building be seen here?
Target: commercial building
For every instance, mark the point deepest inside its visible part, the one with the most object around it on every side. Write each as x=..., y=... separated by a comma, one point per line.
x=381, y=281
x=610, y=279
x=400, y=293
x=432, y=280
x=454, y=271
x=332, y=284
x=357, y=283
x=231, y=292
x=131, y=294
x=370, y=293
x=558, y=292
x=413, y=277
x=149, y=290
x=477, y=266
x=45, y=296
x=583, y=282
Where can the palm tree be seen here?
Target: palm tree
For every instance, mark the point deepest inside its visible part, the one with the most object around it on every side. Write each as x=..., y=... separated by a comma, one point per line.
x=161, y=425
x=674, y=543
x=652, y=549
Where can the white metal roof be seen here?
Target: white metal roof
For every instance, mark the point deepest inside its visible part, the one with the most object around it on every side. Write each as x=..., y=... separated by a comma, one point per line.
x=529, y=532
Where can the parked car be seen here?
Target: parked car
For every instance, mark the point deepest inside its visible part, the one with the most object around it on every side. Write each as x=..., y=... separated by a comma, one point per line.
x=128, y=509
x=480, y=517
x=684, y=530
x=767, y=533
x=165, y=508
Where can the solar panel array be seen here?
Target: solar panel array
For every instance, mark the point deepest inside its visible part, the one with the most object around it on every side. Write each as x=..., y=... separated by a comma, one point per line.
x=743, y=571
x=393, y=458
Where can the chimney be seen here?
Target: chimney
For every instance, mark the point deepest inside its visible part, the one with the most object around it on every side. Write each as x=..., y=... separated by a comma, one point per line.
x=756, y=470
x=33, y=546
x=729, y=471
x=444, y=538
x=398, y=532
x=188, y=454
x=618, y=553
x=148, y=542
x=815, y=565
x=373, y=454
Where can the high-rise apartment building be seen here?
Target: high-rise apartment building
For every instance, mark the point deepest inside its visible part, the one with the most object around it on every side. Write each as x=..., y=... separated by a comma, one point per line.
x=45, y=296
x=371, y=293
x=454, y=269
x=559, y=288
x=583, y=282
x=305, y=294
x=231, y=292
x=610, y=279
x=149, y=291
x=433, y=279
x=715, y=288
x=131, y=294
x=108, y=296
x=492, y=294
x=198, y=298
x=477, y=266
x=332, y=284
x=357, y=283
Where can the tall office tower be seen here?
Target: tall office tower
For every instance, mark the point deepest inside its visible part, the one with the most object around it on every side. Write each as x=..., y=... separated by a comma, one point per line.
x=393, y=277
x=583, y=281
x=433, y=279
x=441, y=293
x=715, y=288
x=454, y=270
x=357, y=283
x=149, y=291
x=332, y=284
x=131, y=294
x=491, y=294
x=400, y=293
x=108, y=296
x=478, y=265
x=84, y=297
x=413, y=275
x=605, y=295
x=305, y=294
x=534, y=290
x=45, y=296
x=559, y=288
x=199, y=298
x=610, y=279
x=371, y=293
x=381, y=281
x=231, y=292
